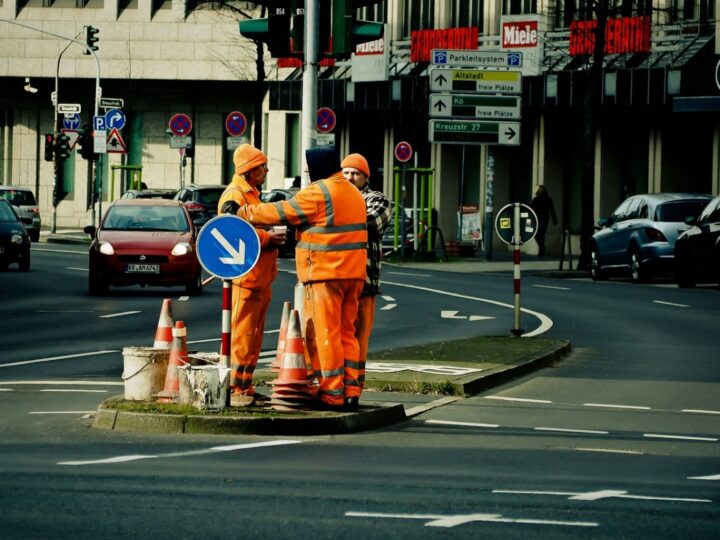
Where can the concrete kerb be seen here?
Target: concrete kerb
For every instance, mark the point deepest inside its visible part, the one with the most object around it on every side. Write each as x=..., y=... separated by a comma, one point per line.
x=256, y=421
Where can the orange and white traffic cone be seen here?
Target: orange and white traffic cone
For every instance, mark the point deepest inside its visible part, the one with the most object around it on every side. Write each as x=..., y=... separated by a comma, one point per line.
x=291, y=390
x=277, y=363
x=163, y=334
x=178, y=357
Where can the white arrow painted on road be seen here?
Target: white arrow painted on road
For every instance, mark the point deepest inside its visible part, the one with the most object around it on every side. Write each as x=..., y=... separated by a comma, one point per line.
x=237, y=257
x=711, y=477
x=450, y=314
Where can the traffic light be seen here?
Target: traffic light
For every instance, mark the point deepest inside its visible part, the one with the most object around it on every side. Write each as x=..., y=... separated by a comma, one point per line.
x=91, y=39
x=297, y=32
x=62, y=146
x=49, y=146
x=273, y=30
x=85, y=142
x=347, y=32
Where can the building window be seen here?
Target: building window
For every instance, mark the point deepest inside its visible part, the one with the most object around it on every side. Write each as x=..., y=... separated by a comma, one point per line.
x=519, y=7
x=418, y=15
x=467, y=13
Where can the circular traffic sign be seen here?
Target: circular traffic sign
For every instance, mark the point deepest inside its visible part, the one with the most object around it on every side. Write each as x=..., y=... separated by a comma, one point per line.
x=403, y=151
x=235, y=123
x=115, y=118
x=326, y=120
x=180, y=124
x=71, y=121
x=516, y=224
x=228, y=247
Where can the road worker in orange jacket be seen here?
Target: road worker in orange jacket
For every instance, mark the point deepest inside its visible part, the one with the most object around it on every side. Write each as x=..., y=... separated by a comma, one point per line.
x=251, y=293
x=329, y=217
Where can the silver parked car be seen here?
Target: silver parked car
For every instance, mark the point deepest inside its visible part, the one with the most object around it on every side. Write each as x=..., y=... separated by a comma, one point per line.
x=23, y=199
x=639, y=237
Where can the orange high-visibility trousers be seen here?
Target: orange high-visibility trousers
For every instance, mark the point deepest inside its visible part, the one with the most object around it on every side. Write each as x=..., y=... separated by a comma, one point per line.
x=249, y=307
x=363, y=327
x=330, y=310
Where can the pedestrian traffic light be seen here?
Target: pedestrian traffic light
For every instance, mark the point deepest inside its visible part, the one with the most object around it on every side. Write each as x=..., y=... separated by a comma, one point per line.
x=347, y=32
x=62, y=146
x=85, y=142
x=273, y=30
x=49, y=146
x=91, y=39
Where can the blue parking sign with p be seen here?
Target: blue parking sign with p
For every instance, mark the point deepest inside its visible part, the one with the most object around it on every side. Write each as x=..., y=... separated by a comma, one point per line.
x=99, y=123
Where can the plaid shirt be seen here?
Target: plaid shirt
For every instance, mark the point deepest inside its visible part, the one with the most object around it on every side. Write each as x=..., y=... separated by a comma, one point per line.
x=379, y=212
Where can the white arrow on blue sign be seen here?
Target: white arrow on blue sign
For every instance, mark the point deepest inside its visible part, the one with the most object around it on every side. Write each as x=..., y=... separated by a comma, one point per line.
x=115, y=118
x=228, y=247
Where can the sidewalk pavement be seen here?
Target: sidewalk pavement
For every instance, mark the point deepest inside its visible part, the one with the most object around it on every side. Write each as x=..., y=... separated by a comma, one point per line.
x=396, y=390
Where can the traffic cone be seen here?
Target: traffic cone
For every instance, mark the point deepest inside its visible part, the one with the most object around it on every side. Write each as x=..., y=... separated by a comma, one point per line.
x=163, y=334
x=277, y=363
x=178, y=357
x=291, y=390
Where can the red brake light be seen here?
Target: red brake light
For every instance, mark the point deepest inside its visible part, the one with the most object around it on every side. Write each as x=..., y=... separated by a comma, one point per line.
x=194, y=207
x=655, y=235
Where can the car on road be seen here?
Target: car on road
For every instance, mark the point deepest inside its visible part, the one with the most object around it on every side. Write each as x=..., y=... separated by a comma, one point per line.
x=23, y=199
x=146, y=242
x=697, y=250
x=280, y=194
x=201, y=201
x=14, y=239
x=638, y=239
x=149, y=194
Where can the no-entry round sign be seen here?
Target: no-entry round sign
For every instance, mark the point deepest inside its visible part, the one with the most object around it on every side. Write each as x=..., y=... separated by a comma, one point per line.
x=403, y=151
x=180, y=125
x=235, y=123
x=326, y=120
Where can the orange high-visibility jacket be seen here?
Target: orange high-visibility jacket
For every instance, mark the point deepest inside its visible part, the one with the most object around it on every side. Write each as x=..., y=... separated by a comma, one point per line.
x=264, y=272
x=329, y=216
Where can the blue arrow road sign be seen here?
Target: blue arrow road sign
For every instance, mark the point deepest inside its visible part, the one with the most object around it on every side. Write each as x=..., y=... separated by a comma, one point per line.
x=71, y=121
x=115, y=118
x=228, y=247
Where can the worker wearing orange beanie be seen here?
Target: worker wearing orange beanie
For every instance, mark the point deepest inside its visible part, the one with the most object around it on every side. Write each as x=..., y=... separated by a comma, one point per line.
x=378, y=210
x=251, y=293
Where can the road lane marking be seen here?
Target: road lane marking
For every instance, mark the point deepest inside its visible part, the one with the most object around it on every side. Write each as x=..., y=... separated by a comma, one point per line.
x=700, y=411
x=610, y=451
x=439, y=520
x=673, y=304
x=405, y=274
x=679, y=437
x=466, y=424
x=419, y=409
x=545, y=321
x=213, y=450
x=122, y=314
x=711, y=477
x=524, y=400
x=566, y=430
x=61, y=412
x=612, y=406
x=78, y=269
x=553, y=287
x=54, y=358
x=388, y=307
x=73, y=390
x=69, y=383
x=597, y=495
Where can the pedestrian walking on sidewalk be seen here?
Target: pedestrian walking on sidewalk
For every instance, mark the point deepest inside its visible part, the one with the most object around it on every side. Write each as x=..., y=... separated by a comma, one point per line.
x=378, y=211
x=544, y=208
x=251, y=293
x=329, y=216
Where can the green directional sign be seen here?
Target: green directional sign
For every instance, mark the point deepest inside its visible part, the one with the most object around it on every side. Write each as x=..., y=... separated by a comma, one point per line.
x=475, y=106
x=474, y=132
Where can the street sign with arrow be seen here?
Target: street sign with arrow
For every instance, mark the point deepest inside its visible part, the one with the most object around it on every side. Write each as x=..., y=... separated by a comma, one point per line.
x=474, y=132
x=228, y=247
x=475, y=106
x=475, y=80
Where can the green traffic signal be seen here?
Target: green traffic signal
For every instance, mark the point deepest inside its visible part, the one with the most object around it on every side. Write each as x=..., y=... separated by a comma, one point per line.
x=273, y=31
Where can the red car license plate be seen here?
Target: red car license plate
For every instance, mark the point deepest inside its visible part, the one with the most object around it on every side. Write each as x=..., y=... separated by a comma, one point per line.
x=142, y=269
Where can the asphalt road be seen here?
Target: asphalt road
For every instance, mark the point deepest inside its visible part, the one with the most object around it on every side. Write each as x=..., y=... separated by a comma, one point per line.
x=618, y=440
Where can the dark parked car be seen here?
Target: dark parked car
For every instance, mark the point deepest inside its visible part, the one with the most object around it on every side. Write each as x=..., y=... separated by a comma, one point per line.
x=14, y=239
x=639, y=237
x=144, y=242
x=149, y=194
x=201, y=201
x=697, y=250
x=23, y=199
x=278, y=194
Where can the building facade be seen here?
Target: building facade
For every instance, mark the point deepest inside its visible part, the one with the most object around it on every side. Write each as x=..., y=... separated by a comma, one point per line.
x=656, y=123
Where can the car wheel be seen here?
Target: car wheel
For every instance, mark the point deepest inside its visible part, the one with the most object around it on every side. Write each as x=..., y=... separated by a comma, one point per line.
x=195, y=287
x=24, y=263
x=596, y=270
x=96, y=286
x=637, y=272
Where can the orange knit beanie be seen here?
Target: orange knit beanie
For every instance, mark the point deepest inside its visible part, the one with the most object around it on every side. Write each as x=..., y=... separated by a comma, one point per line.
x=356, y=161
x=247, y=157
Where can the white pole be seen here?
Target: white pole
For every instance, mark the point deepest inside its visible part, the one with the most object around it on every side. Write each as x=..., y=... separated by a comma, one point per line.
x=309, y=98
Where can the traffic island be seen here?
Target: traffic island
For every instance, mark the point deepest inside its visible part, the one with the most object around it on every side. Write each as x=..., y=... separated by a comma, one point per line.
x=120, y=414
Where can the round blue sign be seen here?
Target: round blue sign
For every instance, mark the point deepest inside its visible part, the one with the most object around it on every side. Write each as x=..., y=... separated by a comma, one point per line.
x=115, y=118
x=71, y=121
x=228, y=247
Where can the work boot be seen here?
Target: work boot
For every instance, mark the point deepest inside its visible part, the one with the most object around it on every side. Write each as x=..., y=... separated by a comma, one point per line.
x=351, y=404
x=241, y=400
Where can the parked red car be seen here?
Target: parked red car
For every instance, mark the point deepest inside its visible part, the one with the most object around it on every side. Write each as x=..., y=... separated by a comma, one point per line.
x=144, y=242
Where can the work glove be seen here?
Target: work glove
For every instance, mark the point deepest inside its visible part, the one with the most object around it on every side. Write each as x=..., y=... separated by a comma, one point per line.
x=230, y=207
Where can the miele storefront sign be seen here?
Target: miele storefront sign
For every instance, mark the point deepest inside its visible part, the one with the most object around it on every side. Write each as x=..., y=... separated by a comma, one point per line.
x=522, y=33
x=519, y=34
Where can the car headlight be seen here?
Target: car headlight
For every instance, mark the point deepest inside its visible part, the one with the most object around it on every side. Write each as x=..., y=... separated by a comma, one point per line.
x=106, y=248
x=16, y=238
x=181, y=248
